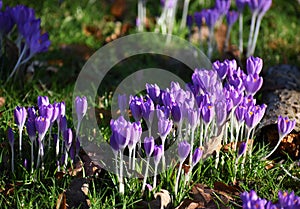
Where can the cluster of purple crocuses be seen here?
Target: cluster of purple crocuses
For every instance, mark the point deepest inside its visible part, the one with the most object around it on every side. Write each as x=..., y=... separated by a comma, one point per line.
x=286, y=200
x=40, y=120
x=217, y=103
x=29, y=38
x=221, y=8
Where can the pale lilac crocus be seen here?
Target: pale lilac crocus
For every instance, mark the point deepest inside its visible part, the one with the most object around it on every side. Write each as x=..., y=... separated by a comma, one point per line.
x=149, y=148
x=135, y=136
x=183, y=151
x=11, y=140
x=148, y=113
x=42, y=100
x=285, y=126
x=193, y=121
x=20, y=115
x=136, y=107
x=252, y=83
x=68, y=139
x=153, y=91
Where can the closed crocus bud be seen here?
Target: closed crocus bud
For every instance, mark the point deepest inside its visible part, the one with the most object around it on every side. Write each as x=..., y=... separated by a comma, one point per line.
x=149, y=145
x=114, y=142
x=157, y=153
x=30, y=126
x=193, y=117
x=10, y=136
x=20, y=115
x=240, y=4
x=62, y=109
x=148, y=109
x=254, y=115
x=254, y=65
x=80, y=107
x=211, y=16
x=136, y=107
x=42, y=125
x=167, y=99
x=221, y=68
x=42, y=100
x=197, y=156
x=264, y=6
x=164, y=127
x=135, y=135
x=285, y=126
x=198, y=18
x=55, y=113
x=242, y=149
x=31, y=112
x=222, y=6
x=221, y=113
x=176, y=113
x=68, y=137
x=121, y=131
x=189, y=21
x=240, y=112
x=63, y=124
x=183, y=150
x=153, y=91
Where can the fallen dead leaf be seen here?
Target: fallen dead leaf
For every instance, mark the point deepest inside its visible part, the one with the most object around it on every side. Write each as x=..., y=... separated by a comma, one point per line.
x=214, y=144
x=162, y=201
x=61, y=202
x=2, y=101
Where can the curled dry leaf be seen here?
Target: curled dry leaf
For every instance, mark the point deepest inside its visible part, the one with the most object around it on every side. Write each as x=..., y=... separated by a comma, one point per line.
x=214, y=144
x=162, y=201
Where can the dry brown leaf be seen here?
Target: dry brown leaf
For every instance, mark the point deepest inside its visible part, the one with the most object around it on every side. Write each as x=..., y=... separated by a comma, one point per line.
x=214, y=144
x=2, y=101
x=190, y=204
x=61, y=202
x=164, y=197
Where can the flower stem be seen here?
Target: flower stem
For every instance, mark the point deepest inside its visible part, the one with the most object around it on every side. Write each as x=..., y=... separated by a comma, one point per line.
x=257, y=27
x=241, y=33
x=274, y=149
x=177, y=178
x=121, y=183
x=146, y=175
x=253, y=20
x=12, y=159
x=184, y=13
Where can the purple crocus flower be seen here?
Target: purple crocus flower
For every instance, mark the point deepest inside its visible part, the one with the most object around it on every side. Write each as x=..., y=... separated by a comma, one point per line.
x=231, y=17
x=55, y=113
x=252, y=83
x=42, y=100
x=176, y=113
x=264, y=6
x=148, y=110
x=288, y=200
x=254, y=65
x=254, y=5
x=197, y=156
x=136, y=107
x=157, y=153
x=211, y=16
x=285, y=126
x=63, y=124
x=198, y=18
x=121, y=131
x=122, y=103
x=22, y=14
x=42, y=124
x=68, y=138
x=164, y=127
x=31, y=112
x=251, y=200
x=254, y=115
x=62, y=109
x=193, y=118
x=6, y=22
x=207, y=113
x=222, y=6
x=221, y=68
x=153, y=91
x=114, y=142
x=167, y=99
x=1, y=4
x=163, y=112
x=189, y=22
x=46, y=111
x=240, y=112
x=149, y=145
x=20, y=115
x=135, y=134
x=183, y=150
x=80, y=107
x=38, y=43
x=221, y=113
x=236, y=96
x=30, y=127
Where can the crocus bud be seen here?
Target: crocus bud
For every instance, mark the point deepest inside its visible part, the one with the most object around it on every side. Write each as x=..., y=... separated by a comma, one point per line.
x=20, y=115
x=122, y=103
x=68, y=137
x=10, y=136
x=196, y=156
x=157, y=153
x=30, y=126
x=42, y=100
x=232, y=17
x=183, y=150
x=154, y=92
x=42, y=125
x=176, y=113
x=63, y=124
x=136, y=107
x=254, y=65
x=252, y=83
x=242, y=149
x=80, y=107
x=285, y=126
x=164, y=127
x=149, y=145
x=31, y=112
